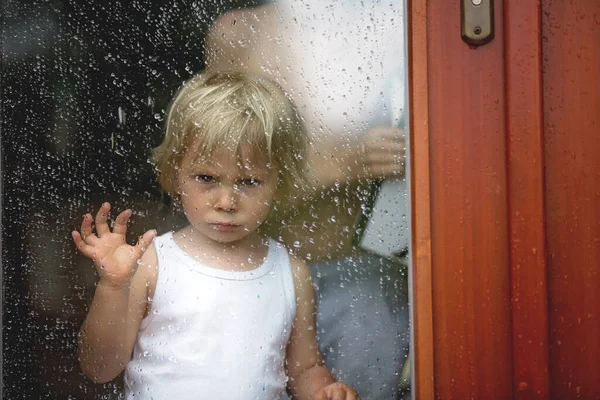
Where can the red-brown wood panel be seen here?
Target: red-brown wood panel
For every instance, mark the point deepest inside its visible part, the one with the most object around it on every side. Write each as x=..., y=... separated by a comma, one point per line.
x=506, y=202
x=526, y=211
x=422, y=315
x=571, y=86
x=469, y=228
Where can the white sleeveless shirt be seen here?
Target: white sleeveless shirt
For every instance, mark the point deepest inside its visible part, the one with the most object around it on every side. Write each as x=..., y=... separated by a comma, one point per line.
x=214, y=334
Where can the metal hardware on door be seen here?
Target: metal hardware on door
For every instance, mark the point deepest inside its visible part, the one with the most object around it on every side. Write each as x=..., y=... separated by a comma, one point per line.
x=477, y=21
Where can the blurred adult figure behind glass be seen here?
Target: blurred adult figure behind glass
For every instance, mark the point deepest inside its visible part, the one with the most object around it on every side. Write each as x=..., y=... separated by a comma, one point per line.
x=334, y=58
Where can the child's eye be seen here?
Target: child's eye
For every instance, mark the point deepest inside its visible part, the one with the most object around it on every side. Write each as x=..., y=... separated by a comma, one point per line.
x=250, y=182
x=205, y=178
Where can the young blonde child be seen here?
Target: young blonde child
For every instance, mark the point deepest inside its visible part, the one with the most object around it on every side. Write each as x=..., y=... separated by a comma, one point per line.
x=215, y=310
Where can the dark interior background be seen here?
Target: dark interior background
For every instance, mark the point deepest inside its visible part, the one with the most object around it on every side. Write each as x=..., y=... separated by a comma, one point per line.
x=84, y=86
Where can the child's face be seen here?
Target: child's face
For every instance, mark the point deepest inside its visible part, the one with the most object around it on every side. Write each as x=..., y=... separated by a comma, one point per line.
x=226, y=197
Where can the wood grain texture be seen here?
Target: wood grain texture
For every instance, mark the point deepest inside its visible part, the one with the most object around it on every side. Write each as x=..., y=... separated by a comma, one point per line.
x=526, y=206
x=571, y=86
x=422, y=311
x=506, y=202
x=469, y=229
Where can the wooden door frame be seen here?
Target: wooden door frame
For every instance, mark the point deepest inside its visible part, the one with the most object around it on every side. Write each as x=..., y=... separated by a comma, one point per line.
x=519, y=35
x=422, y=278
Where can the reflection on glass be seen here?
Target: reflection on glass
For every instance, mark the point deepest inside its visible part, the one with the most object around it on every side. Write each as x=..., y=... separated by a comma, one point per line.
x=85, y=95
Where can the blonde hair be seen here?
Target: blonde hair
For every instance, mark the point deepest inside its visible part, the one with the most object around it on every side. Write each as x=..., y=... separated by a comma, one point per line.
x=230, y=110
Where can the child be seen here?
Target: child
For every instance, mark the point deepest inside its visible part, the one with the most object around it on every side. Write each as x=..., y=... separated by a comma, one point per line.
x=215, y=310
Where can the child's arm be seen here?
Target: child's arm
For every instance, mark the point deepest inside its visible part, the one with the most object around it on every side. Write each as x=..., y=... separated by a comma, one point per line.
x=309, y=378
x=109, y=331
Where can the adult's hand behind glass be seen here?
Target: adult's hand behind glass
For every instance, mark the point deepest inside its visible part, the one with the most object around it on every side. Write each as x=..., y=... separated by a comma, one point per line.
x=382, y=153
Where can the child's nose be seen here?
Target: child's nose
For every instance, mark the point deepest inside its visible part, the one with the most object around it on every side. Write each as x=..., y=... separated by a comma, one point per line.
x=226, y=198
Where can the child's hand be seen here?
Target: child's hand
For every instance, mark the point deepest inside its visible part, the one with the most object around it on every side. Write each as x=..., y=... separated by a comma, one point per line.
x=336, y=391
x=116, y=261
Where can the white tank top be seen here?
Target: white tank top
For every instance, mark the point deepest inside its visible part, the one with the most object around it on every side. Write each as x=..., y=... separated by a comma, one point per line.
x=214, y=334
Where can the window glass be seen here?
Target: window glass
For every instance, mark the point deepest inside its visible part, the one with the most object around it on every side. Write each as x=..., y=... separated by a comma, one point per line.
x=85, y=92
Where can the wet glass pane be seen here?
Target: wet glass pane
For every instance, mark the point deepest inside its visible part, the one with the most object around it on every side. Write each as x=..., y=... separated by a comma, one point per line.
x=86, y=88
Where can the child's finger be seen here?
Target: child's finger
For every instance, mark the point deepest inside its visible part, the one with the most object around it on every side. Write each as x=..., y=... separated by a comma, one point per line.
x=338, y=394
x=120, y=225
x=145, y=241
x=82, y=246
x=320, y=395
x=79, y=243
x=101, y=225
x=86, y=230
x=86, y=225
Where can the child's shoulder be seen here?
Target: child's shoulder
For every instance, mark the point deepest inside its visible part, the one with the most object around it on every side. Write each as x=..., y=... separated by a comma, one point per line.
x=159, y=242
x=148, y=265
x=302, y=277
x=300, y=269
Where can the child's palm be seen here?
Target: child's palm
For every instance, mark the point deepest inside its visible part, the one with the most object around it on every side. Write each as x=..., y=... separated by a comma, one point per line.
x=115, y=260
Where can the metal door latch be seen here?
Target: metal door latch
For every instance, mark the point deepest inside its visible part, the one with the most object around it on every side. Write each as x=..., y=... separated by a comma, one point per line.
x=477, y=21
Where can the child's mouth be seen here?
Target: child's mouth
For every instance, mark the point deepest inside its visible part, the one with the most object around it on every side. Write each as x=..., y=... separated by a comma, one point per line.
x=224, y=227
